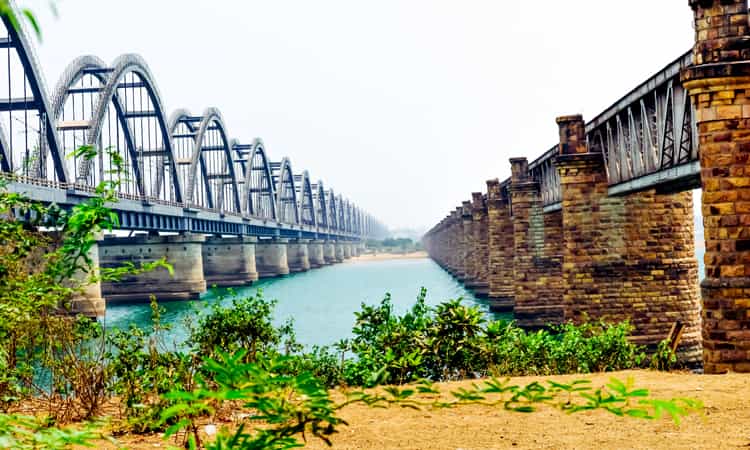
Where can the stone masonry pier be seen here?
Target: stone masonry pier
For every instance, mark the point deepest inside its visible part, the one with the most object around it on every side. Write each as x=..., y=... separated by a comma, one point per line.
x=601, y=225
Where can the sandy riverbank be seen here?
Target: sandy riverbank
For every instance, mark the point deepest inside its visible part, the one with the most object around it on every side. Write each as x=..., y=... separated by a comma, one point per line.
x=387, y=256
x=725, y=423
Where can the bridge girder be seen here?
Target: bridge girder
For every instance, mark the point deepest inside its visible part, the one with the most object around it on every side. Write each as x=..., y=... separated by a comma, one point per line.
x=179, y=161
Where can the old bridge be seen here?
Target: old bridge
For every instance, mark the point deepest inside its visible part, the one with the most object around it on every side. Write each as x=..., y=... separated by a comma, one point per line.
x=601, y=226
x=220, y=210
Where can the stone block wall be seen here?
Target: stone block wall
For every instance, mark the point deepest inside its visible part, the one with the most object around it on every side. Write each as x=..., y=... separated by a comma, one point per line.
x=536, y=263
x=627, y=258
x=468, y=245
x=480, y=246
x=719, y=88
x=500, y=249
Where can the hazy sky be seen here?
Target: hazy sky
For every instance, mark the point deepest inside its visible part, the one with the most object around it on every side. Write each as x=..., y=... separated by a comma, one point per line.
x=404, y=106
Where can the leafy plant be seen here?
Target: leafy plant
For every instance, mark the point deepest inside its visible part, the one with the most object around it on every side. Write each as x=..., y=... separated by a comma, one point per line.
x=24, y=432
x=291, y=407
x=664, y=358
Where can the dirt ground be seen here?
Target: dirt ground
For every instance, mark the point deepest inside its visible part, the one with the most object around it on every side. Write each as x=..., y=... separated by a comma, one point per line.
x=725, y=423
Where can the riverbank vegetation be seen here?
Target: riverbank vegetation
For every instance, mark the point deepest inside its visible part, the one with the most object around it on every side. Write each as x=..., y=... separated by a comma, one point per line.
x=58, y=369
x=393, y=245
x=64, y=368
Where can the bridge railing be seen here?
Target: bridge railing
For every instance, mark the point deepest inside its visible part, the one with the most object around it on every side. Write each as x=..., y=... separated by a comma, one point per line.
x=647, y=137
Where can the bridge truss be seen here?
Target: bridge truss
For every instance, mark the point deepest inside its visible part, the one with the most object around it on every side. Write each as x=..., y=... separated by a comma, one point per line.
x=174, y=173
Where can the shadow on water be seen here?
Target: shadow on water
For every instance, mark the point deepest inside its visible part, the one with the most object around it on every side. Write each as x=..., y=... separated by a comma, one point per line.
x=322, y=302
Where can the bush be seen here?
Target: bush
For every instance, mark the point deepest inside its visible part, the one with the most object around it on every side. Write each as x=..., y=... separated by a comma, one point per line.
x=452, y=341
x=246, y=324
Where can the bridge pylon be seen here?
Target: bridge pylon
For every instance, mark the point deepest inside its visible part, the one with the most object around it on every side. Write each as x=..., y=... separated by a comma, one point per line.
x=628, y=257
x=719, y=86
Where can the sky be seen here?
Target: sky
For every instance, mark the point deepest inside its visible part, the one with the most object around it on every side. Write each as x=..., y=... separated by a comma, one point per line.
x=403, y=106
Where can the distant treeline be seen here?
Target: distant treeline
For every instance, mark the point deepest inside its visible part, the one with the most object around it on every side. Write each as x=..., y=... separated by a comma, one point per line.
x=394, y=244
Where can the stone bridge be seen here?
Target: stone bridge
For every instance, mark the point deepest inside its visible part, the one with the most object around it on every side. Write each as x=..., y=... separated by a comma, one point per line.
x=601, y=225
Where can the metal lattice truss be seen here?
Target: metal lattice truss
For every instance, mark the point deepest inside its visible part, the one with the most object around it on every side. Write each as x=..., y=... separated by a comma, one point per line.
x=650, y=130
x=545, y=172
x=117, y=113
x=647, y=138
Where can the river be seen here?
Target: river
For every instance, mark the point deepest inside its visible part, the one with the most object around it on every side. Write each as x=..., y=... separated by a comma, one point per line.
x=322, y=301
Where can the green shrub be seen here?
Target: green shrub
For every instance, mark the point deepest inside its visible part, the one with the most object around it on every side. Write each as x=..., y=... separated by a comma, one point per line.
x=245, y=324
x=452, y=341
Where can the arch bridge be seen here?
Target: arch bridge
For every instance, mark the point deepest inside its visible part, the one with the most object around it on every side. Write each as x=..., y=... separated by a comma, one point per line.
x=221, y=210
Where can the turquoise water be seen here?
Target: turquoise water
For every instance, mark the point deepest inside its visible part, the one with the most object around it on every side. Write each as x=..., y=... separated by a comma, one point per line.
x=322, y=301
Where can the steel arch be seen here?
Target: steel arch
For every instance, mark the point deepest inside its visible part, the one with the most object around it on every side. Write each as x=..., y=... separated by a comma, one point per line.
x=305, y=201
x=286, y=192
x=65, y=89
x=115, y=78
x=333, y=211
x=226, y=177
x=321, y=205
x=48, y=141
x=259, y=183
x=342, y=213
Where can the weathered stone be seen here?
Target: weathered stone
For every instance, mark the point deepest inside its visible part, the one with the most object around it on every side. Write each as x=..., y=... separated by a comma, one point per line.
x=537, y=259
x=718, y=84
x=626, y=258
x=500, y=248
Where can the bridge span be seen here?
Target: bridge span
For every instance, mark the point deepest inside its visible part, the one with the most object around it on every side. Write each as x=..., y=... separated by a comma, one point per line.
x=601, y=226
x=220, y=210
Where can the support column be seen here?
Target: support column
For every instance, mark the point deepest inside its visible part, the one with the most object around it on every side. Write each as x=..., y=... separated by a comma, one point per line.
x=229, y=261
x=329, y=252
x=469, y=246
x=183, y=252
x=298, y=257
x=536, y=270
x=480, y=246
x=271, y=257
x=339, y=246
x=625, y=258
x=347, y=249
x=459, y=245
x=501, y=248
x=316, y=254
x=719, y=86
x=89, y=300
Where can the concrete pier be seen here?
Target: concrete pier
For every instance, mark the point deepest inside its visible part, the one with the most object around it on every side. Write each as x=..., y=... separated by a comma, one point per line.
x=298, y=258
x=347, y=246
x=316, y=254
x=271, y=257
x=339, y=246
x=89, y=300
x=229, y=261
x=183, y=252
x=329, y=252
